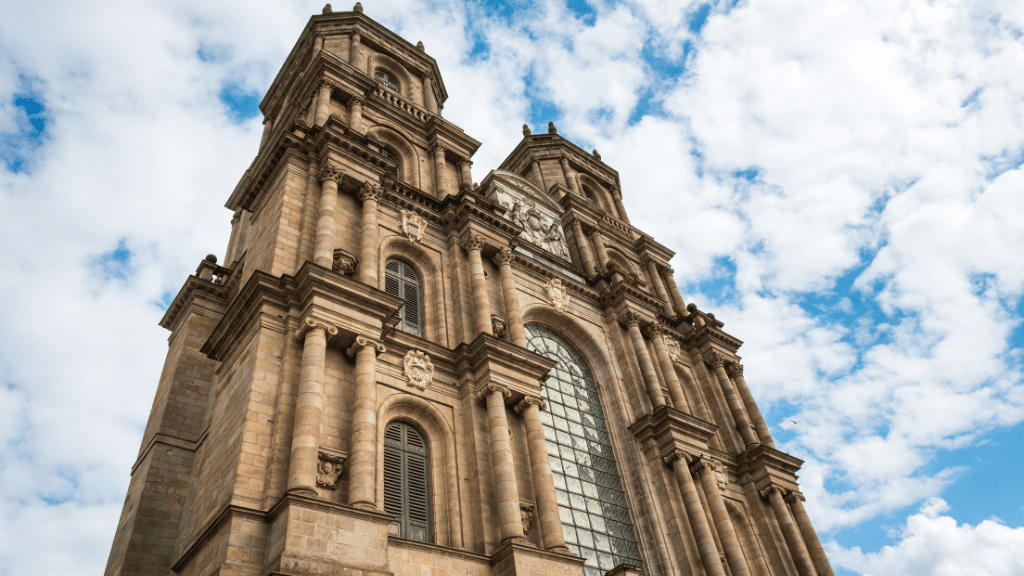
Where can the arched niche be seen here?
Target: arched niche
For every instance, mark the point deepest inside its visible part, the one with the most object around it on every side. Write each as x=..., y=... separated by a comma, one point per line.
x=445, y=508
x=624, y=264
x=602, y=196
x=406, y=152
x=431, y=280
x=395, y=69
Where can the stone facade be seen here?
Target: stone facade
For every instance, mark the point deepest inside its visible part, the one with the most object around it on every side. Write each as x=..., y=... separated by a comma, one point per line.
x=263, y=452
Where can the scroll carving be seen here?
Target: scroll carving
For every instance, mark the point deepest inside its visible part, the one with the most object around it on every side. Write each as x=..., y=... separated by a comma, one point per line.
x=419, y=370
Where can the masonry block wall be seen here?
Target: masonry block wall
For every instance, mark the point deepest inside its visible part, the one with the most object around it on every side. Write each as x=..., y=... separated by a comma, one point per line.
x=577, y=417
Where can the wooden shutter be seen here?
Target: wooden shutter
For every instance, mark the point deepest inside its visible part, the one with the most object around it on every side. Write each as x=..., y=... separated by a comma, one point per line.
x=406, y=482
x=401, y=280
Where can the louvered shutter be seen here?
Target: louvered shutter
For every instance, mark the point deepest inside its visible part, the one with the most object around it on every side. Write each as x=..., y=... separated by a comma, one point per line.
x=406, y=484
x=401, y=280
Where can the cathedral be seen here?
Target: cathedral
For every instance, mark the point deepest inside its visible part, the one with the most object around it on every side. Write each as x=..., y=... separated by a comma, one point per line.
x=396, y=371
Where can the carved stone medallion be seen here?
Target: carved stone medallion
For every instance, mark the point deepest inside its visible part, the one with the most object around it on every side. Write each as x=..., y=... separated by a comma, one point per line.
x=328, y=469
x=558, y=296
x=526, y=515
x=673, y=348
x=419, y=371
x=540, y=226
x=413, y=225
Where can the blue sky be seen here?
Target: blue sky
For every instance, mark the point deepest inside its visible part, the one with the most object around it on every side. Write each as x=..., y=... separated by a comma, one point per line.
x=841, y=183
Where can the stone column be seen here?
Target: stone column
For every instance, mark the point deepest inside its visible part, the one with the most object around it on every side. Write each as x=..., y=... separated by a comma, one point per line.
x=309, y=213
x=675, y=389
x=536, y=175
x=507, y=490
x=513, y=312
x=726, y=531
x=817, y=552
x=695, y=513
x=323, y=253
x=617, y=197
x=789, y=530
x=369, y=195
x=570, y=177
x=464, y=165
x=440, y=178
x=472, y=244
x=268, y=127
x=323, y=102
x=735, y=372
x=743, y=425
x=659, y=287
x=309, y=409
x=584, y=247
x=362, y=469
x=318, y=45
x=429, y=102
x=602, y=253
x=650, y=376
x=284, y=417
x=540, y=467
x=353, y=51
x=355, y=114
x=673, y=290
x=229, y=254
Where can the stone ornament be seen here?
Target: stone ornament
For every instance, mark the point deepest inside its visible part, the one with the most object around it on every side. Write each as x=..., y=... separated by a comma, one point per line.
x=540, y=226
x=673, y=348
x=331, y=172
x=794, y=496
x=630, y=319
x=714, y=465
x=715, y=359
x=363, y=341
x=419, y=370
x=735, y=369
x=558, y=296
x=370, y=192
x=413, y=225
x=344, y=264
x=328, y=469
x=331, y=329
x=526, y=513
x=503, y=257
x=471, y=242
x=498, y=325
x=530, y=400
x=764, y=492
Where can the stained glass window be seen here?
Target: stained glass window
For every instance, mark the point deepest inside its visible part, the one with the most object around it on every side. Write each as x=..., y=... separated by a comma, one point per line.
x=591, y=501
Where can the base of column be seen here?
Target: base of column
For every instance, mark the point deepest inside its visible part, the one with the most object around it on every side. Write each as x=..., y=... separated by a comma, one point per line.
x=304, y=491
x=369, y=506
x=521, y=559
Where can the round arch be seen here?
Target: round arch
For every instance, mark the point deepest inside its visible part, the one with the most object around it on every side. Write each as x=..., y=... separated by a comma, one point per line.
x=431, y=279
x=409, y=159
x=444, y=475
x=603, y=197
x=624, y=264
x=393, y=67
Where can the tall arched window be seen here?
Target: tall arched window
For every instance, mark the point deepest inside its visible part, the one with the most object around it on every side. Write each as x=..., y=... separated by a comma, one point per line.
x=397, y=174
x=406, y=488
x=591, y=501
x=386, y=79
x=401, y=280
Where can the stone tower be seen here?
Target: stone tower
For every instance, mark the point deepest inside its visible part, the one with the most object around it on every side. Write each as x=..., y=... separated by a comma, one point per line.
x=399, y=372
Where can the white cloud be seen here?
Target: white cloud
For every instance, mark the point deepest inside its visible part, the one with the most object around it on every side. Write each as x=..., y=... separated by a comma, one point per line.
x=931, y=544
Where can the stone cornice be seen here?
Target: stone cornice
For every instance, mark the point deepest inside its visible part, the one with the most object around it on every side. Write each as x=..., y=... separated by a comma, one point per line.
x=227, y=513
x=710, y=336
x=201, y=296
x=488, y=360
x=545, y=146
x=666, y=430
x=647, y=247
x=769, y=466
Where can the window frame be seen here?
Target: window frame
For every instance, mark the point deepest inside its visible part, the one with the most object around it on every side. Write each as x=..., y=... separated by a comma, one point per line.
x=394, y=85
x=410, y=460
x=403, y=279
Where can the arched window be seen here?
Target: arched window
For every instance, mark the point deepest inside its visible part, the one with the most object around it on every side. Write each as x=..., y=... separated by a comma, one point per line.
x=386, y=79
x=401, y=280
x=591, y=501
x=406, y=488
x=589, y=194
x=397, y=174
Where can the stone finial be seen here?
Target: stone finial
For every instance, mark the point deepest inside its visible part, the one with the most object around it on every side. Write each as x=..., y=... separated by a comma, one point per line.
x=420, y=47
x=526, y=130
x=596, y=154
x=691, y=307
x=358, y=8
x=551, y=128
x=212, y=259
x=328, y=9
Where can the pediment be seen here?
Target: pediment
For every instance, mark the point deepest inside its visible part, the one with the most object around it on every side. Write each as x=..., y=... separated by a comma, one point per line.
x=529, y=207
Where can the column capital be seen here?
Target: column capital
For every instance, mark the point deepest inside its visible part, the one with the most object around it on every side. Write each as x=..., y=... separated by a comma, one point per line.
x=370, y=192
x=311, y=322
x=572, y=220
x=504, y=256
x=325, y=83
x=464, y=160
x=630, y=319
x=364, y=341
x=528, y=401
x=357, y=99
x=715, y=359
x=596, y=233
x=331, y=172
x=437, y=149
x=734, y=369
x=669, y=271
x=795, y=495
x=267, y=120
x=677, y=455
x=705, y=461
x=657, y=329
x=495, y=387
x=471, y=242
x=769, y=489
x=616, y=191
x=648, y=261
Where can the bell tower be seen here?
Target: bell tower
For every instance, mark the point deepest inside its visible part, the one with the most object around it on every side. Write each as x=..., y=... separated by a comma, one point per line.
x=397, y=371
